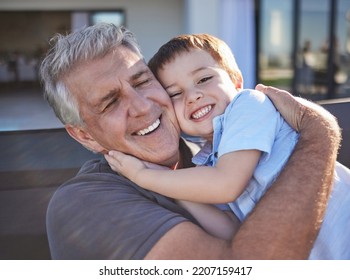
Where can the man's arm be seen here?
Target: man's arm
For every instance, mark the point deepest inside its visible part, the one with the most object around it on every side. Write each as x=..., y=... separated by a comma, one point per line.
x=290, y=213
x=286, y=221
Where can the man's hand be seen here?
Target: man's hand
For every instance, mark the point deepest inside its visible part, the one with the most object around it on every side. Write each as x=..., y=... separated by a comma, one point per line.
x=293, y=109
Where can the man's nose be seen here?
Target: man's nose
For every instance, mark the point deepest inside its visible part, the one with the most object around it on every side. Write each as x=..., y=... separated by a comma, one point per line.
x=139, y=104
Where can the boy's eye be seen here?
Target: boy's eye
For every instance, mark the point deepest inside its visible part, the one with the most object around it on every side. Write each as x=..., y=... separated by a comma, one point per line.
x=174, y=94
x=203, y=80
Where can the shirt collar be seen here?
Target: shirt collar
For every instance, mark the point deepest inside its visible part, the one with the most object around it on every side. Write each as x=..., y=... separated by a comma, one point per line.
x=203, y=156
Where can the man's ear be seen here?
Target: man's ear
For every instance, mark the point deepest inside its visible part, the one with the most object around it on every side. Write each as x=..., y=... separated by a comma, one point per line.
x=84, y=138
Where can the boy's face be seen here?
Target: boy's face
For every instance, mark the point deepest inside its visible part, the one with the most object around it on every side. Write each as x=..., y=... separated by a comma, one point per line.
x=199, y=89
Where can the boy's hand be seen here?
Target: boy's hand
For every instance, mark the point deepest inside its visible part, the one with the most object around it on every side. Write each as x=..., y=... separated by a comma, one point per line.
x=126, y=165
x=129, y=166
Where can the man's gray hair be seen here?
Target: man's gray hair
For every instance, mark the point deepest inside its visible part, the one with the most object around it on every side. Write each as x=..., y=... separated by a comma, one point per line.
x=69, y=51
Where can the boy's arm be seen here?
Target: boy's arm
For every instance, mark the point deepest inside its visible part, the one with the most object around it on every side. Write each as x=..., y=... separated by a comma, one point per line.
x=213, y=220
x=219, y=184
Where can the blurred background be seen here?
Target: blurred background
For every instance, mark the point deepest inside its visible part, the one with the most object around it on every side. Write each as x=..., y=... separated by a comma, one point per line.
x=299, y=45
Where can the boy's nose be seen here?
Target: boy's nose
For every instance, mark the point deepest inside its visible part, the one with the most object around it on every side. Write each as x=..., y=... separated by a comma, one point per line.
x=194, y=96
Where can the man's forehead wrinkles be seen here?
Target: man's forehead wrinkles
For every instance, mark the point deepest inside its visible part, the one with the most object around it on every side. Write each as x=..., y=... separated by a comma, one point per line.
x=139, y=74
x=117, y=88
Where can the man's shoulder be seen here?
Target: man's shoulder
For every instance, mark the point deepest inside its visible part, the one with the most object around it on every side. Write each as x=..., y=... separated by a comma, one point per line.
x=94, y=170
x=97, y=199
x=95, y=166
x=92, y=178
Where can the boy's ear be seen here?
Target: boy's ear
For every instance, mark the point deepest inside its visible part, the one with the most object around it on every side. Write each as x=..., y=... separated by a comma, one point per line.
x=239, y=83
x=84, y=138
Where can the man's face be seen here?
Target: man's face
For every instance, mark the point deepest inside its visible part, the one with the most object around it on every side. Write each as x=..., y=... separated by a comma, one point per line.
x=124, y=108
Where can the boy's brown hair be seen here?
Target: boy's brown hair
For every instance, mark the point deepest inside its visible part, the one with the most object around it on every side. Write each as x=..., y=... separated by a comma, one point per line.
x=217, y=48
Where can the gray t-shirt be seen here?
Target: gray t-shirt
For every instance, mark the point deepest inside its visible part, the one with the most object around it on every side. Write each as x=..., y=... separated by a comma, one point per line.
x=101, y=215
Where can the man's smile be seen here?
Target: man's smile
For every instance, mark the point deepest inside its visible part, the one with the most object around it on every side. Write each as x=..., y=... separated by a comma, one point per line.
x=149, y=129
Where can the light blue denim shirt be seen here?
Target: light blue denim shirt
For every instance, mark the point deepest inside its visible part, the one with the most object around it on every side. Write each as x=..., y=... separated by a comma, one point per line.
x=251, y=122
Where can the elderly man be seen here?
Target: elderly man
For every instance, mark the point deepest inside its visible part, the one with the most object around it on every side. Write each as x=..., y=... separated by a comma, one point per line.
x=101, y=89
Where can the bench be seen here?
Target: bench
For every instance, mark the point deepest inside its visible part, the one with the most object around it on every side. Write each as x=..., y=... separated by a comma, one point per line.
x=340, y=108
x=34, y=163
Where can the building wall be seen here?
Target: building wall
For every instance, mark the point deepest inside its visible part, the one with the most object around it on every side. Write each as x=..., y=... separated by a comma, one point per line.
x=237, y=29
x=203, y=16
x=153, y=21
x=156, y=21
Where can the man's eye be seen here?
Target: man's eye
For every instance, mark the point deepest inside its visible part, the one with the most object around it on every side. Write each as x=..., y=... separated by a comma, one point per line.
x=110, y=103
x=143, y=83
x=203, y=80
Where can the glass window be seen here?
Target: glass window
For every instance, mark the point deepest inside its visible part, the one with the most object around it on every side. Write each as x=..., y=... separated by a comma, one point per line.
x=304, y=46
x=313, y=49
x=276, y=45
x=342, y=49
x=115, y=17
x=24, y=37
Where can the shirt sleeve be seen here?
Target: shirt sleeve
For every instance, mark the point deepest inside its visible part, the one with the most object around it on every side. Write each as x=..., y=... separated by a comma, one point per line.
x=105, y=216
x=250, y=122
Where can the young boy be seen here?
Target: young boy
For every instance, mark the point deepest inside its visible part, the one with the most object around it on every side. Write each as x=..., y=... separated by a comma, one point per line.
x=247, y=140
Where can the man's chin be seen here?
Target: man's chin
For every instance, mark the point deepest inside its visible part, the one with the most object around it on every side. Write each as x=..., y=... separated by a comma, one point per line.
x=169, y=159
